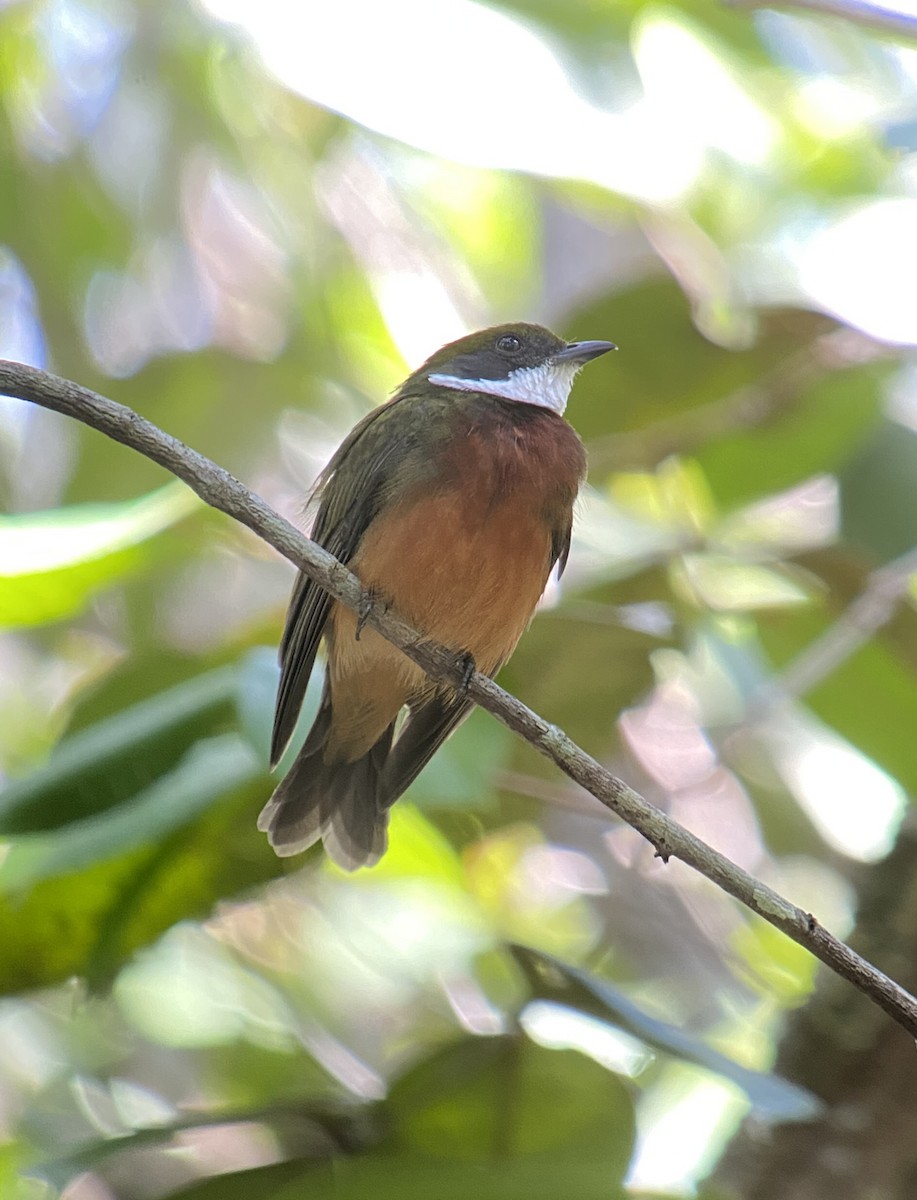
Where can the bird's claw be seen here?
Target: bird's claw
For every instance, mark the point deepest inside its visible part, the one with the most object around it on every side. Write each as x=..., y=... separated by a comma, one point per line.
x=466, y=664
x=367, y=600
x=370, y=599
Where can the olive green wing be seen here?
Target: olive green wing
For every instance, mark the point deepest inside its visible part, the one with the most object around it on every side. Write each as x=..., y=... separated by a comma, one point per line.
x=350, y=491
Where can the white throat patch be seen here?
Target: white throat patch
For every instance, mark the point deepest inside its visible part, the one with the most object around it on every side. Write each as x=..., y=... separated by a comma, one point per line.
x=547, y=385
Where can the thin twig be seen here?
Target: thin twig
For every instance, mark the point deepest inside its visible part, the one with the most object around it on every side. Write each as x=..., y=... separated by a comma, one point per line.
x=864, y=616
x=221, y=490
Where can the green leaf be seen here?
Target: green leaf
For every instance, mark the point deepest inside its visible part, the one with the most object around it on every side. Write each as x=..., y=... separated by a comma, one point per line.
x=87, y=922
x=327, y=1124
x=111, y=761
x=725, y=584
x=548, y=1176
x=52, y=563
x=385, y=1175
x=256, y=692
x=667, y=387
x=463, y=771
x=577, y=672
x=818, y=432
x=870, y=698
x=265, y=1183
x=772, y=1097
x=210, y=769
x=506, y=1098
x=879, y=493
x=500, y=1116
x=694, y=399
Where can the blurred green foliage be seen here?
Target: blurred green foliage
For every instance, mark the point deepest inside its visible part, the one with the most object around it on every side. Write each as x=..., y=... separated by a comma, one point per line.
x=519, y=1001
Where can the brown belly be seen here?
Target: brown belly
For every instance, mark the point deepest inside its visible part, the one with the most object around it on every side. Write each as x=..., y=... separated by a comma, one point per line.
x=467, y=574
x=467, y=579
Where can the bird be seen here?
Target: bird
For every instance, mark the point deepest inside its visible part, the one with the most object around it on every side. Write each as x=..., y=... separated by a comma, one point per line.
x=452, y=503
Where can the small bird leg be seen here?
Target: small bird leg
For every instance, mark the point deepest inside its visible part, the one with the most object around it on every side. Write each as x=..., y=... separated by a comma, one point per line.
x=466, y=664
x=367, y=601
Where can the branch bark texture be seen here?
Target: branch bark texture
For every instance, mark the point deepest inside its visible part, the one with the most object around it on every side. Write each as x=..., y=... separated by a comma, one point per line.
x=861, y=1144
x=221, y=490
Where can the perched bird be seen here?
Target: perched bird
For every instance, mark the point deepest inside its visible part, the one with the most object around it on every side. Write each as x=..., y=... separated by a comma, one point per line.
x=452, y=502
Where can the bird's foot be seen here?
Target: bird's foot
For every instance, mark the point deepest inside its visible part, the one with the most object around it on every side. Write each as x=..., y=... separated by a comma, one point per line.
x=367, y=603
x=466, y=664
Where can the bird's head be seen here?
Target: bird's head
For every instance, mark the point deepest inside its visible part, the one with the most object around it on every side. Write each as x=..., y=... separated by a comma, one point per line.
x=519, y=362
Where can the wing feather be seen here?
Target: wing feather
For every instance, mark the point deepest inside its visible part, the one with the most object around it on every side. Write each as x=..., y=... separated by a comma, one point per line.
x=348, y=500
x=424, y=732
x=560, y=547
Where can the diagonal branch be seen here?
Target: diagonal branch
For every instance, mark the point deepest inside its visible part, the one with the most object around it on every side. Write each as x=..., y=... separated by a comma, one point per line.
x=874, y=607
x=221, y=490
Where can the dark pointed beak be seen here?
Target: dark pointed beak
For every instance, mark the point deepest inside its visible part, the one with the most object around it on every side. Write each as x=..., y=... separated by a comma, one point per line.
x=583, y=352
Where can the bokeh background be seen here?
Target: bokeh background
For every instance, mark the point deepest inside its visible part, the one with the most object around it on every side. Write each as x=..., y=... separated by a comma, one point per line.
x=248, y=221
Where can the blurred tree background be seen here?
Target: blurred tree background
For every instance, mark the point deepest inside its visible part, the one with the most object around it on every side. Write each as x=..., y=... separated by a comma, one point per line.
x=248, y=222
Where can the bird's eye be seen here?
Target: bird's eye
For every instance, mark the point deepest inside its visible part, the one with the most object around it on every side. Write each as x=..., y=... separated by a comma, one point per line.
x=509, y=343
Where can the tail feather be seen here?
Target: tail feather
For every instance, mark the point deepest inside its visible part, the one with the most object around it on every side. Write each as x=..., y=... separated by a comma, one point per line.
x=421, y=736
x=337, y=802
